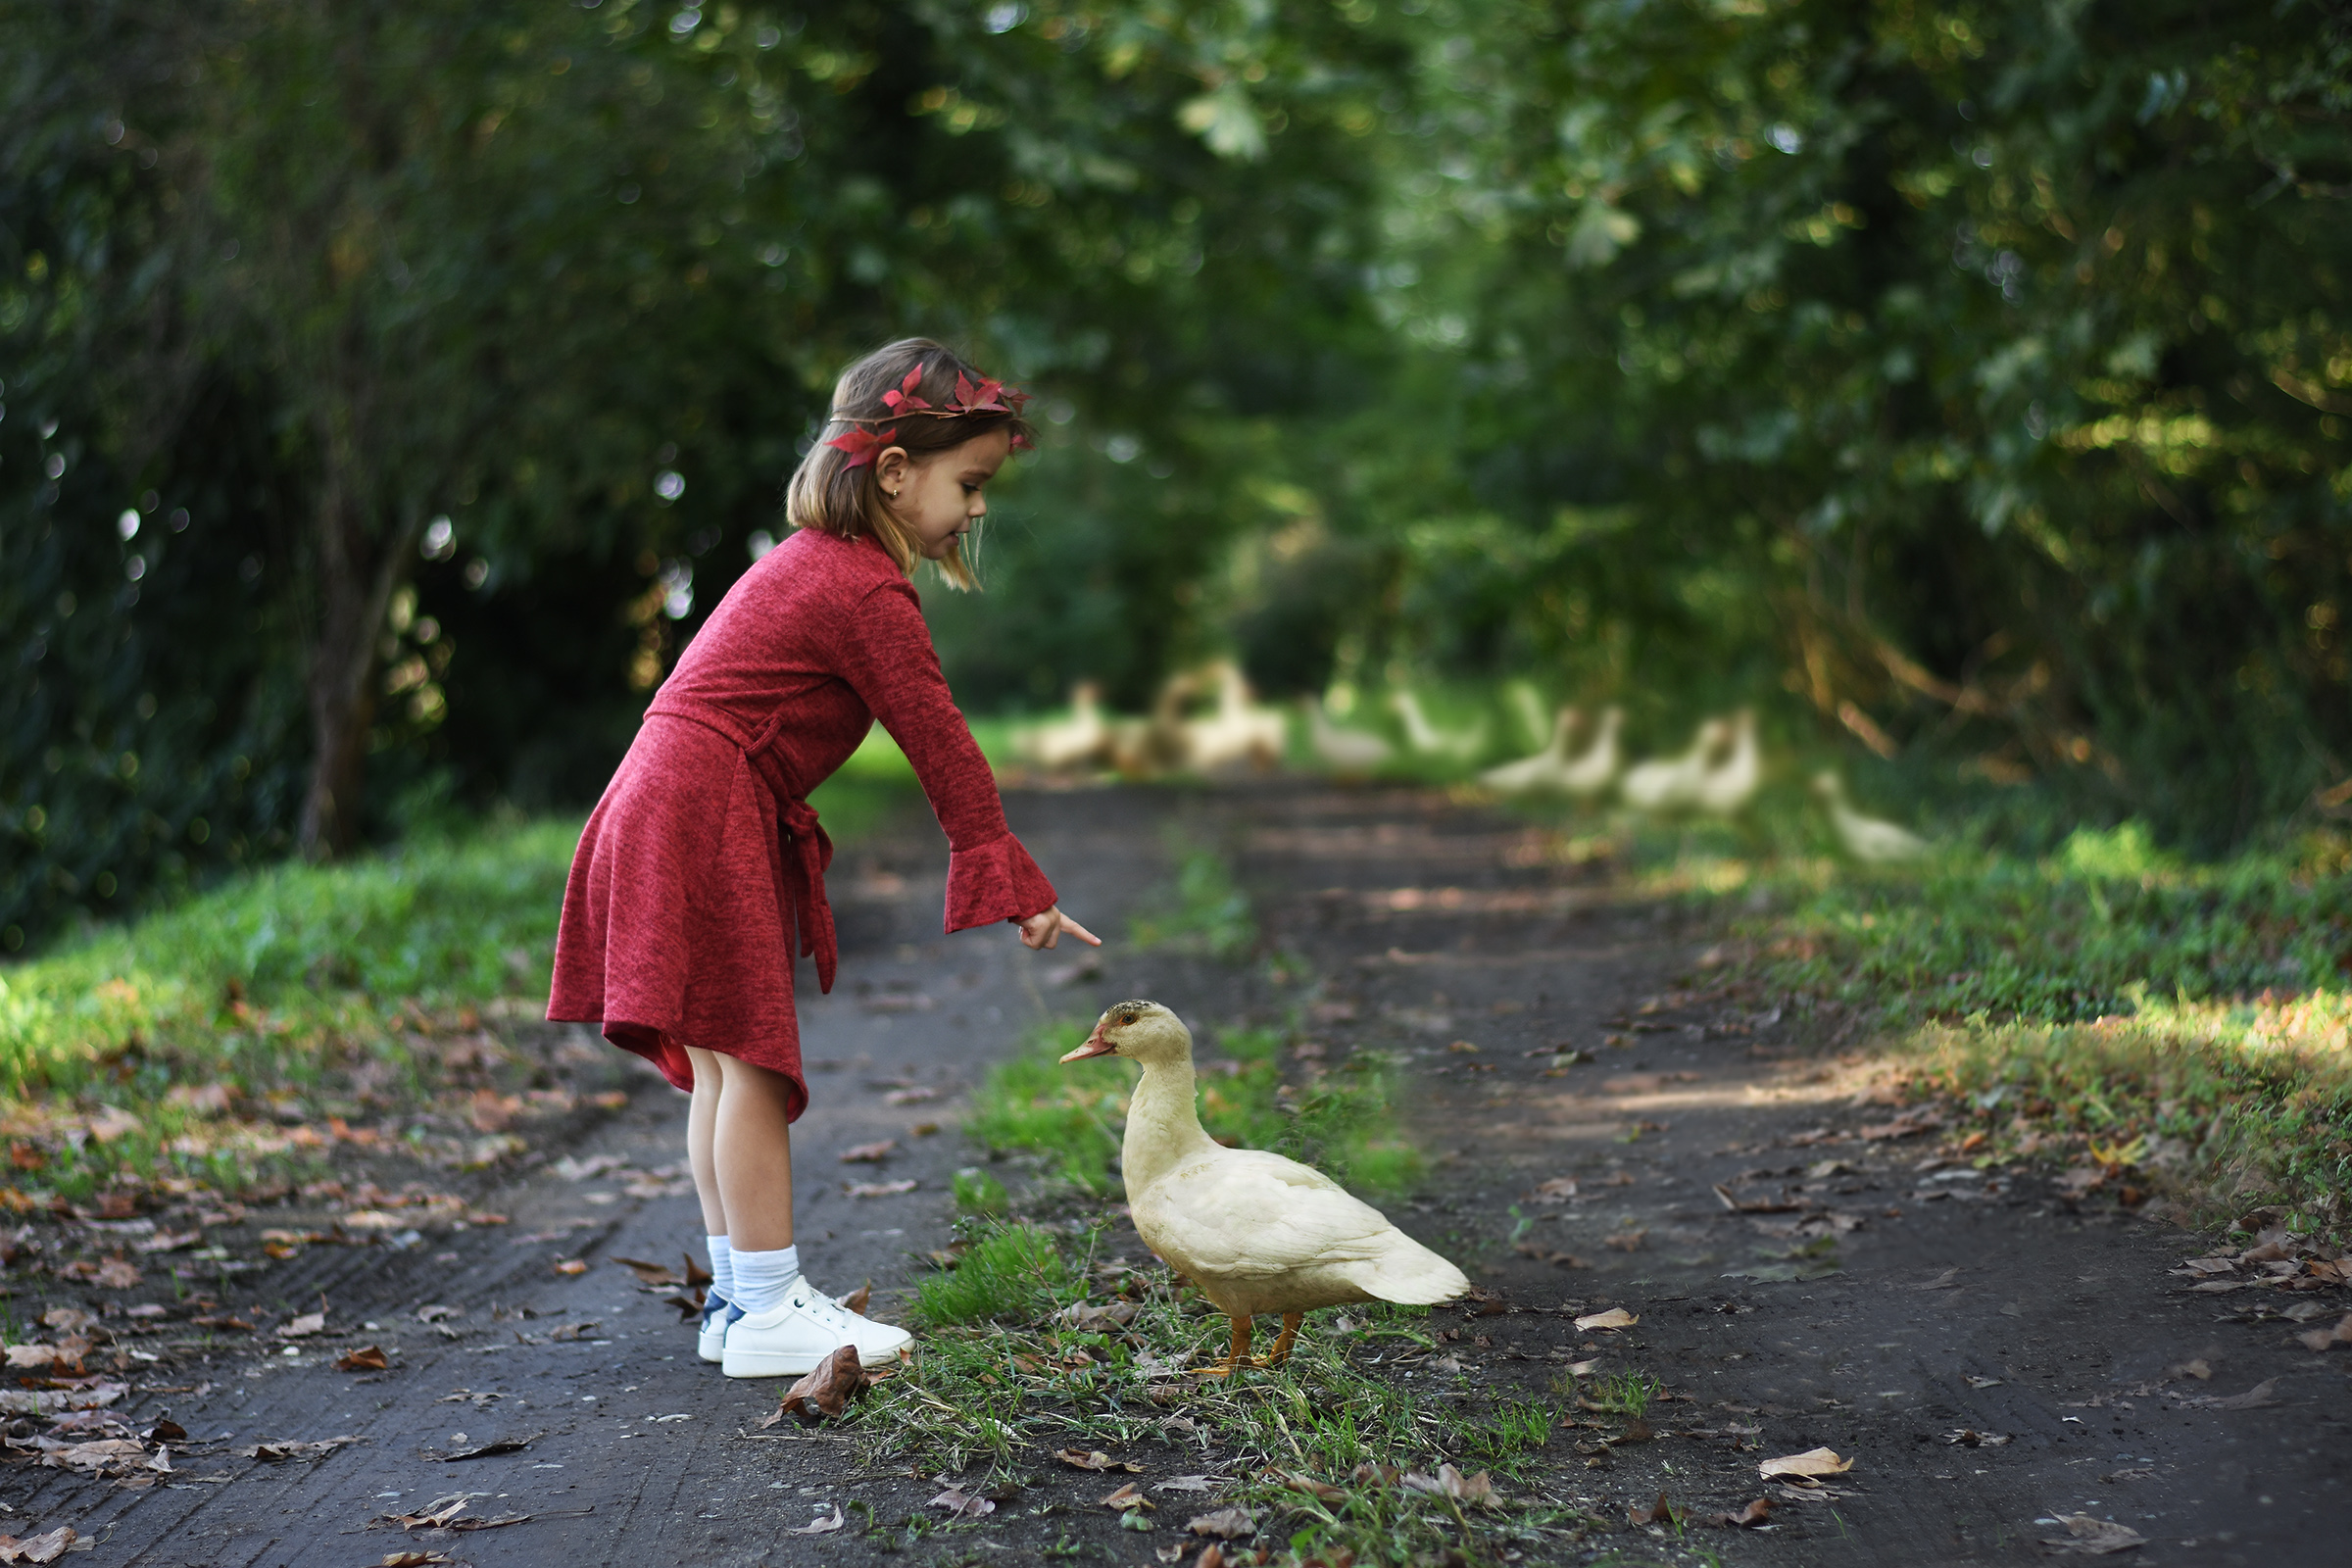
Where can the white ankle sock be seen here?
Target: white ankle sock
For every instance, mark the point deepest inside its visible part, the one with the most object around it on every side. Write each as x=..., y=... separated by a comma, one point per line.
x=763, y=1278
x=722, y=1267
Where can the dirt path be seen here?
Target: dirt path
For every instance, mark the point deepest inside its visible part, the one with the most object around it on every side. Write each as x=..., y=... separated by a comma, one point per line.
x=1957, y=1302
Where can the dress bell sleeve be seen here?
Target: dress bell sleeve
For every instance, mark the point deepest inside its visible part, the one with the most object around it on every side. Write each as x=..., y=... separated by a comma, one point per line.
x=888, y=660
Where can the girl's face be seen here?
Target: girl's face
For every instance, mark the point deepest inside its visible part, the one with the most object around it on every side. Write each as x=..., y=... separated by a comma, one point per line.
x=941, y=497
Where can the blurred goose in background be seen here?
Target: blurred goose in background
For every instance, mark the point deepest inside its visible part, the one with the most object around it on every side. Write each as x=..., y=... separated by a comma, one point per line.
x=1595, y=768
x=1344, y=751
x=1427, y=740
x=1255, y=1232
x=1145, y=748
x=1083, y=737
x=1239, y=731
x=1528, y=709
x=1545, y=772
x=1867, y=838
x=1727, y=787
x=1673, y=785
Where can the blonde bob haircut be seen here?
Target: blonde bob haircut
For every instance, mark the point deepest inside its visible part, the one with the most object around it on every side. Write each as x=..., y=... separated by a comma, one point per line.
x=827, y=493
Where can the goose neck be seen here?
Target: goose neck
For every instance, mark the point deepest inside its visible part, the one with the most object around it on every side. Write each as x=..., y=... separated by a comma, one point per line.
x=1163, y=1124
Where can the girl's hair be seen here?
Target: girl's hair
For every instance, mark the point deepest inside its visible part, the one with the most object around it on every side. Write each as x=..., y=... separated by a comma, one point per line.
x=831, y=493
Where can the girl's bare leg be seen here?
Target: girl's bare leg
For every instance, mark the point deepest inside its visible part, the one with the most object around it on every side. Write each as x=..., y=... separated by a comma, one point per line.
x=702, y=1122
x=751, y=1156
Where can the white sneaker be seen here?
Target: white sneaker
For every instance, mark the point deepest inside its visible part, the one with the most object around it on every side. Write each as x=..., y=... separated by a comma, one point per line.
x=809, y=1326
x=710, y=1339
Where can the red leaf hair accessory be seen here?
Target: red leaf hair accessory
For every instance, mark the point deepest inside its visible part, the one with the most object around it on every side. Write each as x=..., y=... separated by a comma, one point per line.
x=900, y=399
x=861, y=445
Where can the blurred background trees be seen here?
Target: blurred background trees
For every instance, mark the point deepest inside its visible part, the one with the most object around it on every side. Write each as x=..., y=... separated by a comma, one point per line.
x=389, y=388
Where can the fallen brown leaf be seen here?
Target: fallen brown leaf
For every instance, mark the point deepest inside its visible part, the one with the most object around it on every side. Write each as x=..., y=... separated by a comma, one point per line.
x=822, y=1526
x=2092, y=1538
x=1127, y=1497
x=1811, y=1462
x=1229, y=1523
x=486, y=1451
x=652, y=1275
x=302, y=1327
x=1656, y=1513
x=414, y=1559
x=1969, y=1438
x=869, y=1153
x=2254, y=1398
x=827, y=1390
x=1625, y=1240
x=1757, y=1512
x=1077, y=1459
x=878, y=1189
x=1321, y=1491
x=271, y=1452
x=962, y=1504
x=45, y=1548
x=857, y=1300
x=367, y=1358
x=2322, y=1338
x=1616, y=1317
x=571, y=1265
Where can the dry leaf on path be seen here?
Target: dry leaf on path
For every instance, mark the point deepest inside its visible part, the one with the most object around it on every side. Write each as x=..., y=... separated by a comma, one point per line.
x=1655, y=1513
x=1321, y=1491
x=367, y=1358
x=1757, y=1512
x=827, y=1390
x=45, y=1548
x=271, y=1452
x=485, y=1450
x=821, y=1526
x=2322, y=1338
x=652, y=1275
x=869, y=1153
x=1811, y=1462
x=857, y=1300
x=571, y=1265
x=962, y=1504
x=1192, y=1482
x=414, y=1559
x=1970, y=1437
x=1077, y=1459
x=2200, y=1369
x=2254, y=1398
x=302, y=1327
x=1616, y=1317
x=2092, y=1538
x=1229, y=1523
x=878, y=1189
x=1127, y=1497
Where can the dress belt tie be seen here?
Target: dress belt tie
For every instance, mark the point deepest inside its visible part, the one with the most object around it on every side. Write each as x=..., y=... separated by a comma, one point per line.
x=799, y=869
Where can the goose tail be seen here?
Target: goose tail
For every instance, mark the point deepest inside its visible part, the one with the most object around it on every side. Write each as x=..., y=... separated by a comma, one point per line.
x=1409, y=1274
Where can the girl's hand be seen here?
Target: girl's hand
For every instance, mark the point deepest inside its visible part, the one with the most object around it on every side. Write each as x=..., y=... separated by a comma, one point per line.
x=1044, y=930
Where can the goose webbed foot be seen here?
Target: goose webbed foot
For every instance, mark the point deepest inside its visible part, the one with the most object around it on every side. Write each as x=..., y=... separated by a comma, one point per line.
x=1283, y=1342
x=1235, y=1359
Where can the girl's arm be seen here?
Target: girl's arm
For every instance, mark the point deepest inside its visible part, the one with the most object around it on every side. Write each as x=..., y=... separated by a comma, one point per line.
x=888, y=660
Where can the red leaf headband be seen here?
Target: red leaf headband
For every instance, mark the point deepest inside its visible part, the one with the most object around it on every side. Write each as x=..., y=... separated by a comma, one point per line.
x=991, y=396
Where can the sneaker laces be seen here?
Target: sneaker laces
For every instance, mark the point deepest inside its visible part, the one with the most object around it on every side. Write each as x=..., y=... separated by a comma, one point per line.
x=822, y=1309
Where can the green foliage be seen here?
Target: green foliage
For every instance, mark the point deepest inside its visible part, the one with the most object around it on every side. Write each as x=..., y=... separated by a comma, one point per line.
x=1030, y=1101
x=1210, y=913
x=1011, y=1274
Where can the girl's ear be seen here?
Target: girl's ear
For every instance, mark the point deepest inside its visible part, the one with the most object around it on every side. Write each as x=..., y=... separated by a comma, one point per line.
x=892, y=466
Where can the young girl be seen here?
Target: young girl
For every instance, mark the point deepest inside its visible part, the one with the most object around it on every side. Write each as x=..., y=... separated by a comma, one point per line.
x=703, y=857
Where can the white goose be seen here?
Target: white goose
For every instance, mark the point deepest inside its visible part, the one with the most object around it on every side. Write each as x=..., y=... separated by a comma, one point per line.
x=1426, y=739
x=1727, y=787
x=1867, y=838
x=1597, y=768
x=1346, y=751
x=1544, y=772
x=1528, y=709
x=1081, y=738
x=1671, y=785
x=1239, y=731
x=1255, y=1232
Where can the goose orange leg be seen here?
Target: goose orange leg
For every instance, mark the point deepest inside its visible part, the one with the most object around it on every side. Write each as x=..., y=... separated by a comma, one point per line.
x=1239, y=1358
x=1283, y=1341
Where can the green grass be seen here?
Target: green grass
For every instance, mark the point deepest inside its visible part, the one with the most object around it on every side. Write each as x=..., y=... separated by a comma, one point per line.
x=2104, y=993
x=1206, y=914
x=1035, y=1358
x=289, y=981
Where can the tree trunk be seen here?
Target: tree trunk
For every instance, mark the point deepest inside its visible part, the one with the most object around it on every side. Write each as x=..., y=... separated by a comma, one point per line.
x=357, y=573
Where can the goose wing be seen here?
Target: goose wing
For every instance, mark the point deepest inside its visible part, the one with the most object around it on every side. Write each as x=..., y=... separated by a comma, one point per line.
x=1249, y=1214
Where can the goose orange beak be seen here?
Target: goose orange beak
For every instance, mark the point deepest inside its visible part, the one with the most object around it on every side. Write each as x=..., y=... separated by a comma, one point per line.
x=1095, y=1046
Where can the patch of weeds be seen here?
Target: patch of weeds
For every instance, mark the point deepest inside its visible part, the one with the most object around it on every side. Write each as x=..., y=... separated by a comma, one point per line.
x=1030, y=1101
x=1626, y=1394
x=1008, y=1274
x=1208, y=911
x=1099, y=1365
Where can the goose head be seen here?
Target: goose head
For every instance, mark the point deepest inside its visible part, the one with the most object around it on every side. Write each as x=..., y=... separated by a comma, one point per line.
x=1142, y=1031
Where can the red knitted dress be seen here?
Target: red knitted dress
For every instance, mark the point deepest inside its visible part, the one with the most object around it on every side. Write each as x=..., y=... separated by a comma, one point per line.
x=704, y=854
